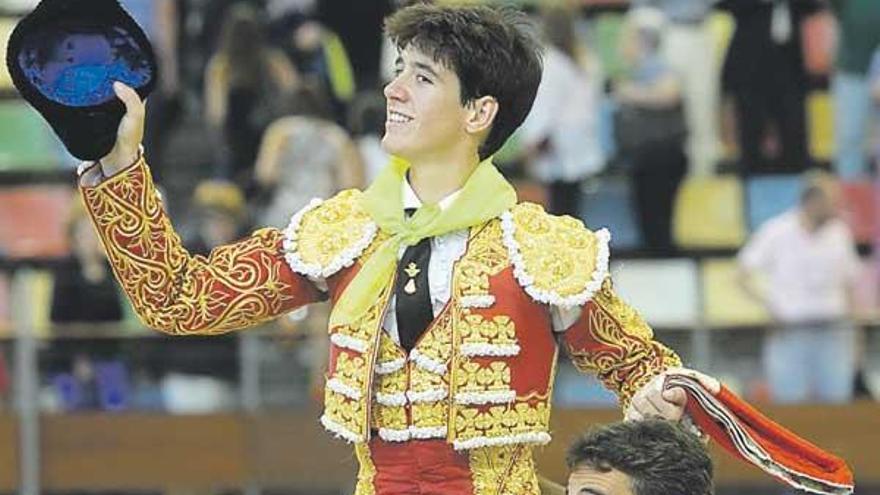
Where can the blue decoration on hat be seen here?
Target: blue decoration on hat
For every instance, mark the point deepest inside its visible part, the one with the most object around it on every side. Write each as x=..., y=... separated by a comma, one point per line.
x=64, y=58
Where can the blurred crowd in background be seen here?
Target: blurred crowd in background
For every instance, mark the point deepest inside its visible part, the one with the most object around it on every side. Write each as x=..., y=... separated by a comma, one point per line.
x=692, y=129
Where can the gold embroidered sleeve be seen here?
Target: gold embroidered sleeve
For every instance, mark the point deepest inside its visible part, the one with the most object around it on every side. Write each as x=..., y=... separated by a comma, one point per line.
x=237, y=286
x=612, y=340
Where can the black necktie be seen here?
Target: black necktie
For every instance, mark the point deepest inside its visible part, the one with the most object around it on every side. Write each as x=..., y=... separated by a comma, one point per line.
x=413, y=305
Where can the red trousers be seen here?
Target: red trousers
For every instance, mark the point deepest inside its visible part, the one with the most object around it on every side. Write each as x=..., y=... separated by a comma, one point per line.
x=416, y=467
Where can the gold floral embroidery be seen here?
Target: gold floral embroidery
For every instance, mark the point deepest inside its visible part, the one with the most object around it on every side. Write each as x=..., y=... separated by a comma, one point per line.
x=328, y=232
x=422, y=380
x=430, y=415
x=367, y=471
x=505, y=470
x=364, y=328
x=485, y=258
x=345, y=412
x=389, y=351
x=559, y=255
x=390, y=417
x=627, y=357
x=473, y=377
x=437, y=343
x=475, y=329
x=351, y=370
x=501, y=421
x=240, y=284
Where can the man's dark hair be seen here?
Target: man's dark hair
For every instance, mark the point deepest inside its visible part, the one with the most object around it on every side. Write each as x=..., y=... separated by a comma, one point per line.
x=658, y=456
x=494, y=52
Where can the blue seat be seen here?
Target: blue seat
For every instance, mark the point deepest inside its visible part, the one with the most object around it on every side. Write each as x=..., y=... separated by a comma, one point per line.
x=607, y=203
x=769, y=196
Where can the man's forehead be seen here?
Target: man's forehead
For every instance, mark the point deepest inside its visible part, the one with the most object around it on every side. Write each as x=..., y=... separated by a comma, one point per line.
x=412, y=54
x=586, y=480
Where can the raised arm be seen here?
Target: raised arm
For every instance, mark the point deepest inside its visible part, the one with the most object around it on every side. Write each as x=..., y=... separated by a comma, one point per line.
x=237, y=286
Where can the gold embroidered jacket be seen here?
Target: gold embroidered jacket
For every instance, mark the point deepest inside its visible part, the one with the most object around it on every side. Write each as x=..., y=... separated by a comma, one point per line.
x=481, y=375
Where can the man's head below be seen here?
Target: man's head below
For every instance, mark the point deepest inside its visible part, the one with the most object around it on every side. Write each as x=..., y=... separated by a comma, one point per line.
x=465, y=79
x=650, y=457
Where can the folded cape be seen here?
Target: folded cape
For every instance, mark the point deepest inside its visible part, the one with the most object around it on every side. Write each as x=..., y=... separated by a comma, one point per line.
x=749, y=435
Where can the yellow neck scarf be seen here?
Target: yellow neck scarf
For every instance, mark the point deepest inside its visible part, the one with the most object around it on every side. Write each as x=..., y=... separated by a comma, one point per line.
x=485, y=196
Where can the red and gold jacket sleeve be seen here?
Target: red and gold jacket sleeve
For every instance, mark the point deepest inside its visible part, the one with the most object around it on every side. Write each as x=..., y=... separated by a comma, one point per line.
x=612, y=340
x=236, y=286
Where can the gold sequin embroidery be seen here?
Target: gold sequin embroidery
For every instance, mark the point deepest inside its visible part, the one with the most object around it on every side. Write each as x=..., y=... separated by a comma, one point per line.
x=366, y=472
x=558, y=253
x=627, y=357
x=474, y=378
x=485, y=258
x=328, y=232
x=505, y=470
x=501, y=421
x=239, y=285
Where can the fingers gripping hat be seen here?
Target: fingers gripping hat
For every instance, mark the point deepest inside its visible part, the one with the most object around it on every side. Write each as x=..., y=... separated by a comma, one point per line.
x=64, y=57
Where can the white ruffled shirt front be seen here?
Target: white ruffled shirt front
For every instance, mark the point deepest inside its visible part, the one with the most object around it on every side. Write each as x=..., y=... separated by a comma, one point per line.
x=446, y=249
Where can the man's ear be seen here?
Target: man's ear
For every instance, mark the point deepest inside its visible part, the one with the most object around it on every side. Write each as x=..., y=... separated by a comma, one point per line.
x=481, y=114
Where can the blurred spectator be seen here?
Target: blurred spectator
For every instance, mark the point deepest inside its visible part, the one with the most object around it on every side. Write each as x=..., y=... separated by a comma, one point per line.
x=84, y=290
x=221, y=214
x=244, y=83
x=160, y=19
x=859, y=39
x=321, y=59
x=809, y=260
x=649, y=126
x=764, y=73
x=689, y=48
x=367, y=124
x=560, y=137
x=84, y=295
x=359, y=25
x=304, y=156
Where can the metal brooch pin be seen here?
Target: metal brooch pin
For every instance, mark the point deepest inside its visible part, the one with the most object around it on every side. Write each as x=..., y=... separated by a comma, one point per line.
x=411, y=270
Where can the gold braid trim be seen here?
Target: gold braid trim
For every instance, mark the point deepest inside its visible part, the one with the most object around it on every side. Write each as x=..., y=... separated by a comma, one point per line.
x=503, y=470
x=626, y=356
x=239, y=285
x=367, y=470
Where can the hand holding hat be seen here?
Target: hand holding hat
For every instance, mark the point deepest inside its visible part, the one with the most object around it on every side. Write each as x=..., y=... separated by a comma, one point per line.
x=129, y=134
x=65, y=58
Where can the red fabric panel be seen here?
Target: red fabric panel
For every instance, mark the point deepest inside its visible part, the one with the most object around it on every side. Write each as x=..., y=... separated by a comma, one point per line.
x=420, y=467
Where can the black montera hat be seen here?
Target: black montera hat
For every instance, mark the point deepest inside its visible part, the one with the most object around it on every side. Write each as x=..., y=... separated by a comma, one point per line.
x=64, y=57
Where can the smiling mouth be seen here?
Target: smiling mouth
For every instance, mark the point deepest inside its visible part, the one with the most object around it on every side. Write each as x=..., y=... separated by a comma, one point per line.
x=398, y=118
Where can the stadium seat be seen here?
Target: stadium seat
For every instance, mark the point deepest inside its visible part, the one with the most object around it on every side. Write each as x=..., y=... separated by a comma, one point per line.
x=709, y=213
x=724, y=302
x=638, y=281
x=860, y=210
x=26, y=140
x=37, y=229
x=820, y=118
x=768, y=196
x=31, y=292
x=608, y=203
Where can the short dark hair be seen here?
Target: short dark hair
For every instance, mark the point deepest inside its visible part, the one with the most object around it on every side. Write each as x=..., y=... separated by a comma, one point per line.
x=658, y=456
x=493, y=51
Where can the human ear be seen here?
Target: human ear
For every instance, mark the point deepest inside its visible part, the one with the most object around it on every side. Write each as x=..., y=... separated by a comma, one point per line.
x=481, y=114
